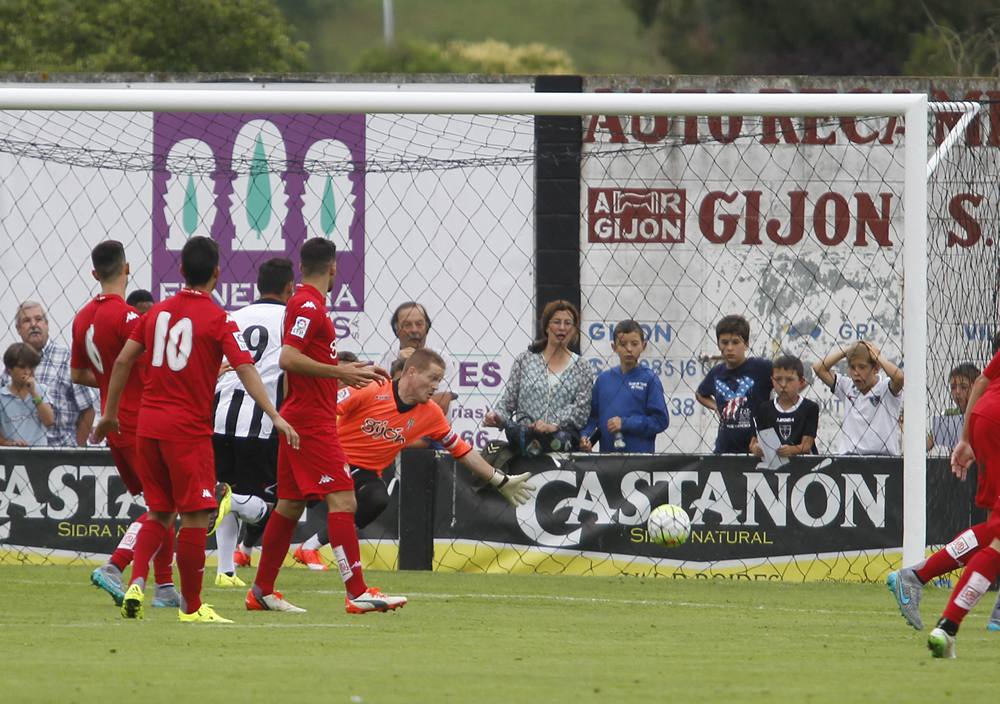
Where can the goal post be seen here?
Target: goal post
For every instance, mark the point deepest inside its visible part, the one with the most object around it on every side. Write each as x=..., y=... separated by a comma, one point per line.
x=911, y=108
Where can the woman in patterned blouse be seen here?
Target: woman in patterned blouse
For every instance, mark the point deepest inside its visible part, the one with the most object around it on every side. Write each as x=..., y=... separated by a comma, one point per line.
x=547, y=397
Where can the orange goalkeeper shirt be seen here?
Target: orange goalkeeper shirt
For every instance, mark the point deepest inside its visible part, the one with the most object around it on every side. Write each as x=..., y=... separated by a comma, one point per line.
x=375, y=425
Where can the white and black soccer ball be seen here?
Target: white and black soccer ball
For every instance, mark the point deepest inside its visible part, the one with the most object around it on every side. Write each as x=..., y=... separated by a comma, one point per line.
x=669, y=525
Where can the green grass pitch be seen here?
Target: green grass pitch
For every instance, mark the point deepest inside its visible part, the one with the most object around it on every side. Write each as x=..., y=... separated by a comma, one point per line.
x=488, y=638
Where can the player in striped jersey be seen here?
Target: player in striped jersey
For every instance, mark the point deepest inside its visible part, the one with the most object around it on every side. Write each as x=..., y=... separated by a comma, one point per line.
x=376, y=422
x=100, y=330
x=245, y=443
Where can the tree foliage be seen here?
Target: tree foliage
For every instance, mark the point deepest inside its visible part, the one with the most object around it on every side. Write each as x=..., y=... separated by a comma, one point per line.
x=848, y=37
x=490, y=56
x=177, y=36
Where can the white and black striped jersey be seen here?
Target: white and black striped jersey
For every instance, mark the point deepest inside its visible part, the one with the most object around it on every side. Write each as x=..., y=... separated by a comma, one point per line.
x=236, y=414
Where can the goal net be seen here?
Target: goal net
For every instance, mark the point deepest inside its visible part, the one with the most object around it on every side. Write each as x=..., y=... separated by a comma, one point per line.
x=806, y=217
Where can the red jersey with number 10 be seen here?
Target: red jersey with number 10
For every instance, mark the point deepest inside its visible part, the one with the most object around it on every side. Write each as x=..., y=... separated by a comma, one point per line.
x=100, y=330
x=375, y=425
x=185, y=338
x=312, y=400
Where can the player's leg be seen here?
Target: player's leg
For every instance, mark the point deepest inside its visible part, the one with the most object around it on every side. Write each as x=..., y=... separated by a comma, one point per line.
x=907, y=584
x=192, y=472
x=371, y=495
x=278, y=534
x=983, y=567
x=360, y=598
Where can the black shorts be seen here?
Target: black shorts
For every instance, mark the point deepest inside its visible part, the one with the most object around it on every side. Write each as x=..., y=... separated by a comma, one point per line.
x=249, y=465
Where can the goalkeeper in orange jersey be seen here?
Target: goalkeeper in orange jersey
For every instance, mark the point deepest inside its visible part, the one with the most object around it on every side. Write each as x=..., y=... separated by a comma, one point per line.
x=378, y=421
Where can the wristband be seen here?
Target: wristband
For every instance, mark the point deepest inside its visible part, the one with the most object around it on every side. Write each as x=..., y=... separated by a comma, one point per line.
x=499, y=478
x=37, y=400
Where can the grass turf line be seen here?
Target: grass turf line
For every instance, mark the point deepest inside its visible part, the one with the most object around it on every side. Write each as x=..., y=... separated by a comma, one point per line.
x=488, y=638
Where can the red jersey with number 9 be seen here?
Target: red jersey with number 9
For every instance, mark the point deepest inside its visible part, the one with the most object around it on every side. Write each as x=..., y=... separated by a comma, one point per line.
x=311, y=401
x=185, y=338
x=100, y=330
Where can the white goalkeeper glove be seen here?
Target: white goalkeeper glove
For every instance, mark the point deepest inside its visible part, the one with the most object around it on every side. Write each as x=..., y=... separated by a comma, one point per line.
x=515, y=488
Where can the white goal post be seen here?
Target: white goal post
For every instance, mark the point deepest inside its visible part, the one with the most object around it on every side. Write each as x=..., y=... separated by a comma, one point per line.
x=913, y=108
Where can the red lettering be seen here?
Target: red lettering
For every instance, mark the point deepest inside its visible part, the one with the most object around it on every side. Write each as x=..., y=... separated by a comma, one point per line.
x=964, y=219
x=869, y=220
x=841, y=219
x=752, y=218
x=796, y=225
x=945, y=122
x=612, y=123
x=660, y=129
x=706, y=217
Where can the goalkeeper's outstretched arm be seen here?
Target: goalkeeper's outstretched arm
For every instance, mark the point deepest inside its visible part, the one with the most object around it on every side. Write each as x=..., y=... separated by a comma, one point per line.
x=513, y=487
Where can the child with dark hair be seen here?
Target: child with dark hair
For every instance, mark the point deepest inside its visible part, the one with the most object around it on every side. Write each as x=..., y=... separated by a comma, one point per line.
x=946, y=428
x=25, y=409
x=736, y=387
x=792, y=417
x=627, y=407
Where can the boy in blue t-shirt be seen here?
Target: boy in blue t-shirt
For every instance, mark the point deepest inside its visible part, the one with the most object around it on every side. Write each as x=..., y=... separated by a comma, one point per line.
x=25, y=410
x=735, y=388
x=627, y=407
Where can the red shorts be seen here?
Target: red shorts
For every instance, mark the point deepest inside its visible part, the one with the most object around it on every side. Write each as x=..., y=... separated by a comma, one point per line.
x=126, y=459
x=317, y=468
x=177, y=475
x=984, y=436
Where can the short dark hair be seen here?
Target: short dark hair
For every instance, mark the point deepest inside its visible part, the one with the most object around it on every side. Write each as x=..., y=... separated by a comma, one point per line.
x=140, y=295
x=396, y=368
x=966, y=370
x=199, y=257
x=316, y=254
x=733, y=325
x=627, y=326
x=422, y=359
x=347, y=356
x=108, y=259
x=790, y=362
x=274, y=275
x=21, y=354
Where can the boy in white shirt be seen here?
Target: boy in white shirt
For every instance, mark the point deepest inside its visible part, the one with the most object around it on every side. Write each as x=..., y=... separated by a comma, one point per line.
x=872, y=403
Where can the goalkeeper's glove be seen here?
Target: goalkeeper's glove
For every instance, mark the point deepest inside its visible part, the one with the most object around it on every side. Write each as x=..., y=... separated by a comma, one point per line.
x=515, y=488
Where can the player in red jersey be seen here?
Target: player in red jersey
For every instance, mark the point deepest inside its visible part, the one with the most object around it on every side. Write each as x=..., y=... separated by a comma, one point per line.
x=100, y=330
x=318, y=469
x=378, y=421
x=187, y=336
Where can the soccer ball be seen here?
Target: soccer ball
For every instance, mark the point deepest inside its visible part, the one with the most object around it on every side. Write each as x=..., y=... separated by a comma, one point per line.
x=668, y=525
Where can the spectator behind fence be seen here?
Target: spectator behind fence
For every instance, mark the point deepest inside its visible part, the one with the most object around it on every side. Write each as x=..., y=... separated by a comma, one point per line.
x=73, y=404
x=410, y=324
x=946, y=428
x=735, y=388
x=793, y=417
x=546, y=401
x=25, y=409
x=872, y=402
x=627, y=407
x=140, y=299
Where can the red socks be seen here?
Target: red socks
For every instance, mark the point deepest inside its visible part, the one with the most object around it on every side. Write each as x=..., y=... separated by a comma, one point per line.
x=149, y=540
x=976, y=578
x=344, y=542
x=123, y=554
x=163, y=560
x=959, y=551
x=274, y=546
x=191, y=565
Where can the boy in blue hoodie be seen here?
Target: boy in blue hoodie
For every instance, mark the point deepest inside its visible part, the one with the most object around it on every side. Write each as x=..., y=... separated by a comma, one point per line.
x=627, y=407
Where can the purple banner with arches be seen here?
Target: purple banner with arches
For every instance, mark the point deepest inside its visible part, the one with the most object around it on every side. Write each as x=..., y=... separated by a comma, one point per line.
x=259, y=185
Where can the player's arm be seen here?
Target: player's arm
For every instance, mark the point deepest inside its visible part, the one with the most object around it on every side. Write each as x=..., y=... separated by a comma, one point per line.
x=353, y=374
x=822, y=368
x=116, y=385
x=513, y=487
x=83, y=377
x=251, y=381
